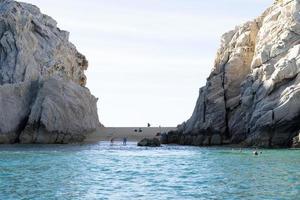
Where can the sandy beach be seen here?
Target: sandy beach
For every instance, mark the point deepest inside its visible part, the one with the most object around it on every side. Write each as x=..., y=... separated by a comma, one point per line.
x=131, y=133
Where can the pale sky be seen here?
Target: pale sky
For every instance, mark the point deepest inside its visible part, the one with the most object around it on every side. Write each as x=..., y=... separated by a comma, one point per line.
x=148, y=58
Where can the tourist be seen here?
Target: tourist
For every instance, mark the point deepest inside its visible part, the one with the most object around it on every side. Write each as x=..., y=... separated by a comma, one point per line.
x=255, y=152
x=112, y=141
x=124, y=141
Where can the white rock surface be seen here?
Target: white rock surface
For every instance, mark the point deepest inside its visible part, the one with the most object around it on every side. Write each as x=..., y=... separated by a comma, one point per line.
x=253, y=93
x=43, y=98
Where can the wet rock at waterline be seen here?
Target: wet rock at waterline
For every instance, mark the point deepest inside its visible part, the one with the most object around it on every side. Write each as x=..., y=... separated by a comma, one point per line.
x=149, y=142
x=43, y=98
x=252, y=96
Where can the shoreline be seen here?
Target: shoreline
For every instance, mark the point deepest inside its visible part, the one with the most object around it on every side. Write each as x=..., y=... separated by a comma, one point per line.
x=133, y=134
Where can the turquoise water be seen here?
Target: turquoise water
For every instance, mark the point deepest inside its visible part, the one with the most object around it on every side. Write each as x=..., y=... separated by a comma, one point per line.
x=102, y=171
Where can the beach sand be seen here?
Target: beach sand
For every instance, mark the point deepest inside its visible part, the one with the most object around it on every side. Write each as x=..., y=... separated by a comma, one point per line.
x=118, y=133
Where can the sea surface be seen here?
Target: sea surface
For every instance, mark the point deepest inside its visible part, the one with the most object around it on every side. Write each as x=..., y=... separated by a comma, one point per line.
x=102, y=171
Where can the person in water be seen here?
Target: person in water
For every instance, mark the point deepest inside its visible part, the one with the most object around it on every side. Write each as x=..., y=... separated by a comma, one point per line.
x=112, y=141
x=255, y=152
x=124, y=141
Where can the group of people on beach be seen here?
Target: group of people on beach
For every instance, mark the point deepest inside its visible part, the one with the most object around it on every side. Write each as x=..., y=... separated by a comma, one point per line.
x=140, y=130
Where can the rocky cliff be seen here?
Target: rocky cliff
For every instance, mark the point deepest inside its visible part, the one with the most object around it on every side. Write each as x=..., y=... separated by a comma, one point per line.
x=252, y=96
x=43, y=98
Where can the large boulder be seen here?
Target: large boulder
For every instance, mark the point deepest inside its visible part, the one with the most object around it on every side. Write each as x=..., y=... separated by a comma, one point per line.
x=253, y=92
x=149, y=142
x=62, y=112
x=43, y=98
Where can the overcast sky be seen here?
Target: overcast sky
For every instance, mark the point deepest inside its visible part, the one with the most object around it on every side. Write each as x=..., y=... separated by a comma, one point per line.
x=148, y=58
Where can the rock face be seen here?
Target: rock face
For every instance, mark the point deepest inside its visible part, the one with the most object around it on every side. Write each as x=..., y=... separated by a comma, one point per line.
x=296, y=142
x=149, y=142
x=43, y=98
x=252, y=96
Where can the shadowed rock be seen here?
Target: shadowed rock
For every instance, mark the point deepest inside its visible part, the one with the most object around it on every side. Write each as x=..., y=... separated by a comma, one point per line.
x=296, y=142
x=149, y=142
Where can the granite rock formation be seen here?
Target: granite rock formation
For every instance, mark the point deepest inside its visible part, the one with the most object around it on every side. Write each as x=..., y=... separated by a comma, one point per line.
x=43, y=98
x=296, y=142
x=149, y=142
x=252, y=96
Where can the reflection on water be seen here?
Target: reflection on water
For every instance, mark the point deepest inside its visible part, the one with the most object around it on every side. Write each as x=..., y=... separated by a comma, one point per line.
x=101, y=171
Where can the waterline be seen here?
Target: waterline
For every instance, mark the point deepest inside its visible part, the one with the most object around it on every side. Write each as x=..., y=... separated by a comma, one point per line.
x=101, y=171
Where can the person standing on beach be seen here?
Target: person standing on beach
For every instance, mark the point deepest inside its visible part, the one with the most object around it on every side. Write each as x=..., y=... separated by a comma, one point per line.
x=112, y=141
x=124, y=141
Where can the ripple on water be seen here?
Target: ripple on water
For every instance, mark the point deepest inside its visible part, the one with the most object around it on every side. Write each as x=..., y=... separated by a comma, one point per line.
x=101, y=171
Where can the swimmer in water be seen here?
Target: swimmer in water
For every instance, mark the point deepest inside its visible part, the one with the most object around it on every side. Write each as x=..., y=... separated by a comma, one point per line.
x=255, y=152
